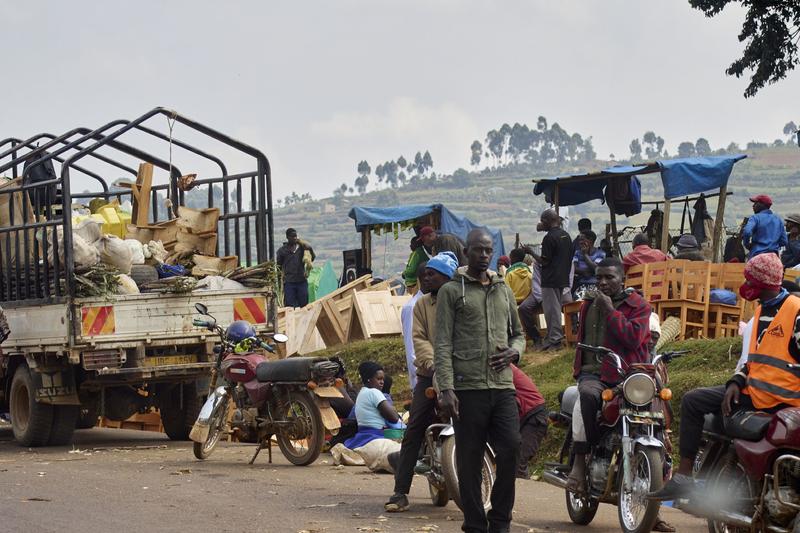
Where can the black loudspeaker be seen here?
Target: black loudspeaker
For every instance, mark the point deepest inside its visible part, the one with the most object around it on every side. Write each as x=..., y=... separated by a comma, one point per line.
x=352, y=266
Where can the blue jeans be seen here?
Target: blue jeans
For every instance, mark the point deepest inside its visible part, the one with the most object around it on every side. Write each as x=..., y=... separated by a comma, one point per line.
x=295, y=294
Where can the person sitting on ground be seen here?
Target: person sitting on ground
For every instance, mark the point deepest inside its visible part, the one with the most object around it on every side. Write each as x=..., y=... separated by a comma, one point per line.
x=518, y=276
x=422, y=250
x=532, y=420
x=586, y=260
x=373, y=411
x=421, y=415
x=615, y=318
x=764, y=231
x=688, y=248
x=791, y=254
x=642, y=253
x=763, y=383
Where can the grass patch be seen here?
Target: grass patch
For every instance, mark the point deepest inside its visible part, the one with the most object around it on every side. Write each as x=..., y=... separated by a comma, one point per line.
x=709, y=363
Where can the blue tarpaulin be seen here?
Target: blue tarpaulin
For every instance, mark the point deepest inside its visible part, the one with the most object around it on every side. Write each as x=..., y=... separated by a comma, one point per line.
x=450, y=222
x=682, y=177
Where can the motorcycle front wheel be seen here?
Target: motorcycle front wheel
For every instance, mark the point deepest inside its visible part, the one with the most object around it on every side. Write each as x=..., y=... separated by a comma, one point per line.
x=451, y=475
x=637, y=514
x=301, y=442
x=216, y=425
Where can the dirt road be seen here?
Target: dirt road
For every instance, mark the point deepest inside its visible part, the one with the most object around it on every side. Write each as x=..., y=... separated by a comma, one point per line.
x=118, y=480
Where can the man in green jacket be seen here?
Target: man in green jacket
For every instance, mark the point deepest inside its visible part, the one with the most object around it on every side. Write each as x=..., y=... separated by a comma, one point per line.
x=478, y=335
x=423, y=252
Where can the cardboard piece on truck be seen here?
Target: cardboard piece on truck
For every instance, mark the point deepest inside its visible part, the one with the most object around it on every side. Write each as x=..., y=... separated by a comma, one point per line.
x=198, y=221
x=166, y=232
x=206, y=265
x=16, y=206
x=204, y=243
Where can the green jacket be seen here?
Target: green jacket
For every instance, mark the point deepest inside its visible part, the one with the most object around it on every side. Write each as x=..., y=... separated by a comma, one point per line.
x=472, y=321
x=410, y=273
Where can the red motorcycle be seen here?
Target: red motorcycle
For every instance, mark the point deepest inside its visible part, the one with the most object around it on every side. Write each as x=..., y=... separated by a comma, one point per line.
x=749, y=471
x=287, y=399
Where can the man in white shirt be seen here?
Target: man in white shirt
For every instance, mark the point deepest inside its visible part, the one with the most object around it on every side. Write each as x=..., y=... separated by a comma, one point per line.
x=407, y=321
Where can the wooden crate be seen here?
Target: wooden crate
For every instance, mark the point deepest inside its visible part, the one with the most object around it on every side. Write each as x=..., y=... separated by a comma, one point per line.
x=198, y=220
x=205, y=265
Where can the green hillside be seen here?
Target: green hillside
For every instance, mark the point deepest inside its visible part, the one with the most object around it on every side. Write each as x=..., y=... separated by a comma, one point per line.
x=502, y=198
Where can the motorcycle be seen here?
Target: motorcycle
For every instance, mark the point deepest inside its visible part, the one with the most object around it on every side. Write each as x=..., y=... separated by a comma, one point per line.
x=438, y=464
x=748, y=469
x=287, y=398
x=631, y=457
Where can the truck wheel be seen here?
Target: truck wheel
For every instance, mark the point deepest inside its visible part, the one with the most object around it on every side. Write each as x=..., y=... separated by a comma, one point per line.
x=31, y=421
x=178, y=421
x=65, y=417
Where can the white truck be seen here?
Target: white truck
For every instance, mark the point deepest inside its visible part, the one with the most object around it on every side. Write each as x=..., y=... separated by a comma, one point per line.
x=69, y=359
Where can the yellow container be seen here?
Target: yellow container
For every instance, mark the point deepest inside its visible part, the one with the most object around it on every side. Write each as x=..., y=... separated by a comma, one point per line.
x=113, y=223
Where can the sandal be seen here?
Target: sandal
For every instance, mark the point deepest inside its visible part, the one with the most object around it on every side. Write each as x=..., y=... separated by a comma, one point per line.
x=661, y=525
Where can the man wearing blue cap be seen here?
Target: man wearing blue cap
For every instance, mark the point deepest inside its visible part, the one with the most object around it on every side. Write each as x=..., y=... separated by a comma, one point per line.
x=440, y=270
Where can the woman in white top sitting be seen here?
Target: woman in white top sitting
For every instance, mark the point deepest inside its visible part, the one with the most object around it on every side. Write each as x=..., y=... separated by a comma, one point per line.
x=373, y=411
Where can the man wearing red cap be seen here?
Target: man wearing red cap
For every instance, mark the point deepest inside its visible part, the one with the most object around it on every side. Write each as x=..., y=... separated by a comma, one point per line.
x=764, y=383
x=422, y=252
x=764, y=232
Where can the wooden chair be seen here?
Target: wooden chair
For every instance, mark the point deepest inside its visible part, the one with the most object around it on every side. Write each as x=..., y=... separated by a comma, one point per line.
x=655, y=286
x=688, y=285
x=635, y=277
x=724, y=319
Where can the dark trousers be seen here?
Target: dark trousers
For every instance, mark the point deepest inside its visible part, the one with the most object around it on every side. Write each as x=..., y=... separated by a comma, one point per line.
x=487, y=416
x=528, y=310
x=420, y=417
x=695, y=405
x=532, y=430
x=295, y=294
x=589, y=391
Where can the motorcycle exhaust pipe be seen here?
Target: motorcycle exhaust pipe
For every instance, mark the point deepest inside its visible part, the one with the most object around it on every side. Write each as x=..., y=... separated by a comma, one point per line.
x=728, y=517
x=555, y=479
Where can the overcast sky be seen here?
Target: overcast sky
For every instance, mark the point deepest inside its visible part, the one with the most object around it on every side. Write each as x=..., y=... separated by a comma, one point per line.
x=318, y=86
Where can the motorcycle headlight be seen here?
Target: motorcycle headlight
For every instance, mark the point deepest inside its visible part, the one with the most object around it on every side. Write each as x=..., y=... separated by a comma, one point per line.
x=639, y=389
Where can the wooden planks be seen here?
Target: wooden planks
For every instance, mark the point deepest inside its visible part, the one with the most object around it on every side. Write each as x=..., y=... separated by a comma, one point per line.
x=378, y=313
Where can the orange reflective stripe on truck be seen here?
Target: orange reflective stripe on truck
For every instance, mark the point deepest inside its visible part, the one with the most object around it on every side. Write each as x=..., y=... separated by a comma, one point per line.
x=98, y=320
x=251, y=309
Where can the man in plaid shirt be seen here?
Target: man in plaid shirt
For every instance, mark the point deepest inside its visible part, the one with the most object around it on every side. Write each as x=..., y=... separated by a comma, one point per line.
x=616, y=319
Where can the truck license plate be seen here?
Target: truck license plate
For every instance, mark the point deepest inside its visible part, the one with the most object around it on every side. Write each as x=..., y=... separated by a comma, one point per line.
x=170, y=360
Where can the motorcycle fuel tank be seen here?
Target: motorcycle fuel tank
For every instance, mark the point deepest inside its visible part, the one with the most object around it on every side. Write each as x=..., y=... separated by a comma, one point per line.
x=241, y=368
x=784, y=429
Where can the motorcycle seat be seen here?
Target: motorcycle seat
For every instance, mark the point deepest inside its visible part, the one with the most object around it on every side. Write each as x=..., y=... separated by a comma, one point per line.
x=747, y=425
x=713, y=423
x=295, y=369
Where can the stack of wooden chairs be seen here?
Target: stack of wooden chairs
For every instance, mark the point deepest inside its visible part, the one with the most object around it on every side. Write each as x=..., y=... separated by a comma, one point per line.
x=682, y=289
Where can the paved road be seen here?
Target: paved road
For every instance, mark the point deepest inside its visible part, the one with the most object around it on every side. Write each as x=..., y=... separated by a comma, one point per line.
x=118, y=480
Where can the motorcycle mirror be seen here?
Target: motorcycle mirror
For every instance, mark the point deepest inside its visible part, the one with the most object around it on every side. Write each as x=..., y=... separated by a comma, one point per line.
x=201, y=308
x=280, y=337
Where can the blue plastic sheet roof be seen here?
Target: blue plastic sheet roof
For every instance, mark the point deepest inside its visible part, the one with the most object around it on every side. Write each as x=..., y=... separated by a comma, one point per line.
x=450, y=222
x=680, y=177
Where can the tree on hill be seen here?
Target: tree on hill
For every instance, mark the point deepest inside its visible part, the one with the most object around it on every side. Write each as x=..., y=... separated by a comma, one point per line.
x=362, y=181
x=790, y=129
x=653, y=144
x=636, y=150
x=702, y=147
x=686, y=149
x=380, y=173
x=771, y=31
x=477, y=149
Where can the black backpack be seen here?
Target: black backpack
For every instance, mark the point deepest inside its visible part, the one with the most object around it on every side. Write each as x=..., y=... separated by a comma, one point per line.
x=40, y=196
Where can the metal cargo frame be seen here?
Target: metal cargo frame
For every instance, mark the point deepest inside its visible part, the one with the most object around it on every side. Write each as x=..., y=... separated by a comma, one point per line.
x=27, y=278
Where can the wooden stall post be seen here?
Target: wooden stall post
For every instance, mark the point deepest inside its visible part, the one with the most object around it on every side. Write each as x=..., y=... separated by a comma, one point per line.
x=665, y=244
x=366, y=247
x=719, y=222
